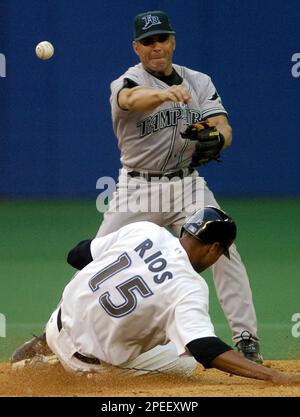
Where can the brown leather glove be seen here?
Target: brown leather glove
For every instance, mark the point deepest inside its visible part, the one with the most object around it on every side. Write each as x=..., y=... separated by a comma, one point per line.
x=209, y=142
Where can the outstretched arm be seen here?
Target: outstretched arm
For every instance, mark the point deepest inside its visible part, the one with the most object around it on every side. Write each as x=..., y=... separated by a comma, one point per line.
x=212, y=352
x=146, y=99
x=235, y=363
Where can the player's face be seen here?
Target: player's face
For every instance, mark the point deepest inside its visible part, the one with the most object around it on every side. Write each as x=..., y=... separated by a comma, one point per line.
x=156, y=53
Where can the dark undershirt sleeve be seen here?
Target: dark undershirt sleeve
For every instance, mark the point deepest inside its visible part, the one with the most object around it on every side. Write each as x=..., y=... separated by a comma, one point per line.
x=128, y=83
x=206, y=349
x=80, y=255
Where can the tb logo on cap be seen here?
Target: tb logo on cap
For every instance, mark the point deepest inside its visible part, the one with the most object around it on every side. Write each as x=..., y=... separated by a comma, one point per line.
x=150, y=21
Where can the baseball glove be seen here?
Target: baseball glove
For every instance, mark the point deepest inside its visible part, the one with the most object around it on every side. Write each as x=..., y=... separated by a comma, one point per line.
x=209, y=142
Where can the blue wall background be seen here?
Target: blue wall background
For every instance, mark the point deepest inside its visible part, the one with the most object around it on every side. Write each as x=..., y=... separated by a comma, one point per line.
x=56, y=137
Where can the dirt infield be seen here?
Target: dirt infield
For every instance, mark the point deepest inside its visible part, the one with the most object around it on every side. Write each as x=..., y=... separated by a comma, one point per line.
x=52, y=380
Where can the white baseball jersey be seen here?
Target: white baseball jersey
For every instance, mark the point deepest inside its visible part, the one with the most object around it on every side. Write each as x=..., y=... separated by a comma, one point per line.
x=151, y=140
x=140, y=291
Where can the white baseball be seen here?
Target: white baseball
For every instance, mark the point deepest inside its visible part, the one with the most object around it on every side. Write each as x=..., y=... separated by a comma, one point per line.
x=44, y=50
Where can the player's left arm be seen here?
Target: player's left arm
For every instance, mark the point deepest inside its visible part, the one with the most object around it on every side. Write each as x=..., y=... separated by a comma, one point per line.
x=88, y=250
x=221, y=123
x=214, y=111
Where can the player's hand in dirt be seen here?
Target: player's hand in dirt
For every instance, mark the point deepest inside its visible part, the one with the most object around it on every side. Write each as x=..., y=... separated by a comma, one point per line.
x=285, y=379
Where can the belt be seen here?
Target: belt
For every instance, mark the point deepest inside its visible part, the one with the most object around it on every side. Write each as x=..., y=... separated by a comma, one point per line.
x=181, y=173
x=82, y=358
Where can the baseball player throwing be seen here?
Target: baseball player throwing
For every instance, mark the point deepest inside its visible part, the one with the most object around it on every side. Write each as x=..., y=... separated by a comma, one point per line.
x=139, y=272
x=151, y=104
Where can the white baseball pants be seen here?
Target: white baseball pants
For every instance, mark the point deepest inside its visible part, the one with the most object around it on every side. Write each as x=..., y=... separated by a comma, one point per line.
x=161, y=359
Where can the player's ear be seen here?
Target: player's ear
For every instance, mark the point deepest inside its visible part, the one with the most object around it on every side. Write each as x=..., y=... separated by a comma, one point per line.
x=135, y=47
x=174, y=43
x=216, y=249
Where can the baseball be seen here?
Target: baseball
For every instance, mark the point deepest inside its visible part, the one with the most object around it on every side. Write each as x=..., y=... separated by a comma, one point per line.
x=44, y=50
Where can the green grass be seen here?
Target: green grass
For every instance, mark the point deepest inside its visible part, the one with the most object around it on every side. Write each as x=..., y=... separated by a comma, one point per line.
x=36, y=236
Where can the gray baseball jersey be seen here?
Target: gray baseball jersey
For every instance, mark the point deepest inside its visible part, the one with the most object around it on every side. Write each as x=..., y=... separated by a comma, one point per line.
x=151, y=140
